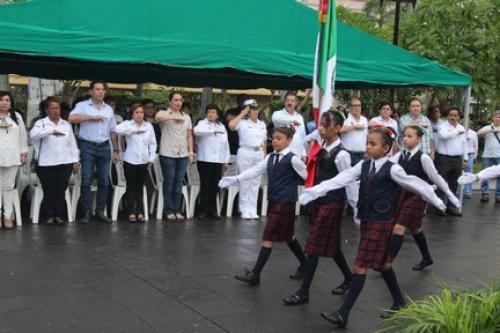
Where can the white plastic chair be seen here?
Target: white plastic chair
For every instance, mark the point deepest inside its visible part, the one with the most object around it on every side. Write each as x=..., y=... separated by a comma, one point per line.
x=156, y=177
x=193, y=177
x=119, y=190
x=16, y=203
x=76, y=191
x=231, y=190
x=37, y=197
x=264, y=203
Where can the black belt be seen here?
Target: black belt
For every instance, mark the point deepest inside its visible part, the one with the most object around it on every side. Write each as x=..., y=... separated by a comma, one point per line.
x=449, y=156
x=96, y=144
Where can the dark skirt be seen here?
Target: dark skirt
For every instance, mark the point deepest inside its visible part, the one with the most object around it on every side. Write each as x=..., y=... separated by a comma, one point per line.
x=410, y=210
x=374, y=245
x=280, y=226
x=324, y=234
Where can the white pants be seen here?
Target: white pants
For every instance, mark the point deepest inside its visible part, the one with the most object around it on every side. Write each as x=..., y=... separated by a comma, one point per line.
x=249, y=189
x=8, y=181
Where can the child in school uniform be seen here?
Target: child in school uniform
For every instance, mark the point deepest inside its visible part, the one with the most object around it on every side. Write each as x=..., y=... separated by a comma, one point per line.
x=324, y=234
x=379, y=180
x=284, y=170
x=411, y=207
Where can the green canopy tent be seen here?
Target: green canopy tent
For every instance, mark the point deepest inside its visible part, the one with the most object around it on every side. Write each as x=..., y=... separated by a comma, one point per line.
x=217, y=43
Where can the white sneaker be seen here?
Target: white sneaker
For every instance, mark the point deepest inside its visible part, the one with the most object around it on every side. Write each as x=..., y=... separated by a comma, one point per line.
x=255, y=216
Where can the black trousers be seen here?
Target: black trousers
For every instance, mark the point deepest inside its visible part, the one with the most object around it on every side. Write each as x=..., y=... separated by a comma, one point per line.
x=135, y=175
x=54, y=180
x=210, y=175
x=450, y=168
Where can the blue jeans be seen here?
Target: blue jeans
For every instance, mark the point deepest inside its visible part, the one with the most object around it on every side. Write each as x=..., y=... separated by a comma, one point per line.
x=98, y=159
x=485, y=189
x=174, y=171
x=468, y=168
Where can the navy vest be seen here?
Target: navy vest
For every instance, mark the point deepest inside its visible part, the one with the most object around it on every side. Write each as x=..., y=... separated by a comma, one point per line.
x=414, y=166
x=282, y=180
x=377, y=196
x=327, y=169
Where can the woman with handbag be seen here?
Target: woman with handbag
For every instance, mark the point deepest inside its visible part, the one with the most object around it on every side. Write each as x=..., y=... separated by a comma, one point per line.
x=57, y=156
x=14, y=148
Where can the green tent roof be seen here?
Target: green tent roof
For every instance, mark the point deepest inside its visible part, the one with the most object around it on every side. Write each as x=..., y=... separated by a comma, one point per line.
x=218, y=43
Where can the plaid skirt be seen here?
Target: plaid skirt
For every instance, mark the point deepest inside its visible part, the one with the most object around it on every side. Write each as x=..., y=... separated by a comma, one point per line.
x=324, y=234
x=374, y=245
x=410, y=210
x=280, y=226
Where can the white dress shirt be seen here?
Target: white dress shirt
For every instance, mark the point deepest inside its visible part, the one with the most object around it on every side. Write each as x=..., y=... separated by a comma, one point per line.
x=283, y=118
x=13, y=142
x=141, y=141
x=261, y=167
x=472, y=142
x=54, y=149
x=491, y=144
x=355, y=140
x=430, y=171
x=386, y=123
x=398, y=175
x=451, y=142
x=252, y=134
x=212, y=142
x=95, y=131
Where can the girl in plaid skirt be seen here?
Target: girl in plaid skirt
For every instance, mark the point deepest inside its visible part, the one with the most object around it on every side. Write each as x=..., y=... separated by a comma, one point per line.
x=411, y=207
x=324, y=234
x=284, y=170
x=379, y=180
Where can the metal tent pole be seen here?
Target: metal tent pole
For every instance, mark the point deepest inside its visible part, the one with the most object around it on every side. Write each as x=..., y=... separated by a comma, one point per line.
x=466, y=109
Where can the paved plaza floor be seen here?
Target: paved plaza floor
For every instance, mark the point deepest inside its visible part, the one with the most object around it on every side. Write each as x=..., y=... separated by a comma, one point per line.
x=178, y=277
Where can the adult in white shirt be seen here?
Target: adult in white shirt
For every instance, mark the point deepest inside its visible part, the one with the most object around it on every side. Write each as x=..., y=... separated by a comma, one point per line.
x=384, y=119
x=14, y=149
x=139, y=155
x=354, y=132
x=289, y=117
x=97, y=127
x=450, y=149
x=434, y=116
x=491, y=154
x=252, y=133
x=57, y=155
x=472, y=149
x=213, y=158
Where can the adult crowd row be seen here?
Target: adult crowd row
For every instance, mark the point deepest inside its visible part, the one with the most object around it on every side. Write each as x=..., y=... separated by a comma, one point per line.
x=57, y=153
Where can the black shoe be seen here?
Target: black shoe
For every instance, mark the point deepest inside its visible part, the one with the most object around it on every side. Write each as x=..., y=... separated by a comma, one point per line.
x=421, y=265
x=85, y=219
x=296, y=299
x=342, y=288
x=334, y=318
x=215, y=216
x=298, y=275
x=59, y=221
x=249, y=277
x=202, y=216
x=101, y=218
x=441, y=213
x=453, y=212
x=389, y=313
x=485, y=198
x=50, y=221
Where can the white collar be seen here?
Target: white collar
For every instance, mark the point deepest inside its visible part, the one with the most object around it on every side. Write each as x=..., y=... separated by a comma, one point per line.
x=283, y=152
x=332, y=145
x=46, y=119
x=412, y=152
x=379, y=162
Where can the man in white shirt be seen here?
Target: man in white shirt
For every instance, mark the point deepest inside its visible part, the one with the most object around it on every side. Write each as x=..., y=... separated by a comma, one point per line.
x=384, y=119
x=354, y=132
x=289, y=117
x=491, y=154
x=97, y=127
x=451, y=148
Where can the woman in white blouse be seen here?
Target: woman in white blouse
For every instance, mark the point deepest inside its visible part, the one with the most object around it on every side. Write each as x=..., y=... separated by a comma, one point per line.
x=139, y=155
x=13, y=152
x=252, y=134
x=58, y=156
x=213, y=157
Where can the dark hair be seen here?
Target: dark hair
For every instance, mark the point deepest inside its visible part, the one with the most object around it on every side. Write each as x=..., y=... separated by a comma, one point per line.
x=93, y=83
x=241, y=98
x=290, y=93
x=453, y=108
x=387, y=134
x=415, y=99
x=419, y=130
x=134, y=107
x=384, y=104
x=148, y=101
x=289, y=131
x=51, y=99
x=172, y=94
x=334, y=117
x=12, y=113
x=213, y=106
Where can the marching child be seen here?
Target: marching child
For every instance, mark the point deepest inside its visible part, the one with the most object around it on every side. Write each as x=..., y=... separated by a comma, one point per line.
x=324, y=234
x=284, y=170
x=379, y=180
x=411, y=207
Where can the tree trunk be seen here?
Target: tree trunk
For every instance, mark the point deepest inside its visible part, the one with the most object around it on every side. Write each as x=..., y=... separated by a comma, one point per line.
x=39, y=89
x=207, y=97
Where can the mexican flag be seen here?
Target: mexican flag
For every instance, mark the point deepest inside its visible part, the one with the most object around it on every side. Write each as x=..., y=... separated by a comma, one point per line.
x=325, y=67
